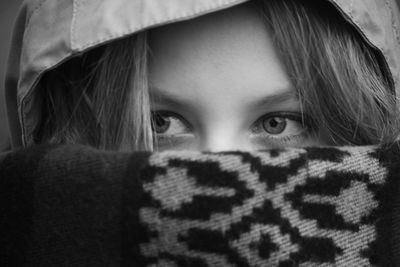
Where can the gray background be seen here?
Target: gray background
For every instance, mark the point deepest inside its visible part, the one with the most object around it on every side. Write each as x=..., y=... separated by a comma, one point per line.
x=8, y=10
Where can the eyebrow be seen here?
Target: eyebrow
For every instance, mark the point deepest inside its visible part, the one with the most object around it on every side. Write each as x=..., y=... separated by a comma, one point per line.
x=286, y=96
x=163, y=96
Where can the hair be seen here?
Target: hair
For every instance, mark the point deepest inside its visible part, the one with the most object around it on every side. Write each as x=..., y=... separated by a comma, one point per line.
x=101, y=99
x=339, y=78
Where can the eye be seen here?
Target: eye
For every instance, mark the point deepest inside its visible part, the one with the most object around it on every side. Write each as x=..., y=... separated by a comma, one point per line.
x=281, y=128
x=160, y=123
x=281, y=124
x=274, y=125
x=168, y=123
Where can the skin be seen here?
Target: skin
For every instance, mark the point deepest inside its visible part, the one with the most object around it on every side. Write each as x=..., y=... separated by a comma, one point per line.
x=217, y=84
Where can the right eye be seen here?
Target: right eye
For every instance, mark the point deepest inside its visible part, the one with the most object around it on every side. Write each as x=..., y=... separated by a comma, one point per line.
x=168, y=123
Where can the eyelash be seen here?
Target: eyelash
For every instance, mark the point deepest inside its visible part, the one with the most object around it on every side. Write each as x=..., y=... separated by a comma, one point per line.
x=295, y=116
x=166, y=113
x=304, y=119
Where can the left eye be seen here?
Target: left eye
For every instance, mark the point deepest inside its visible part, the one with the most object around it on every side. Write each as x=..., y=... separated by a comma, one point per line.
x=168, y=124
x=277, y=125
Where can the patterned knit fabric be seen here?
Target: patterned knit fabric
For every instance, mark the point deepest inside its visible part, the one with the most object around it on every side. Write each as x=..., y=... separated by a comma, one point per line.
x=76, y=206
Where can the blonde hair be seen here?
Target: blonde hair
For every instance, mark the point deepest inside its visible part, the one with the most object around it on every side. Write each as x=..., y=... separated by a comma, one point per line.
x=102, y=98
x=338, y=76
x=108, y=107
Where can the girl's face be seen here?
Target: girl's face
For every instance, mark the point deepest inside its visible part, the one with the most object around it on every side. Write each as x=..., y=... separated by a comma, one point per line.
x=216, y=83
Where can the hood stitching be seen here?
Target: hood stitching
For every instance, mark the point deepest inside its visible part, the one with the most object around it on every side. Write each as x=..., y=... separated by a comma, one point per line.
x=75, y=7
x=395, y=32
x=394, y=22
x=352, y=8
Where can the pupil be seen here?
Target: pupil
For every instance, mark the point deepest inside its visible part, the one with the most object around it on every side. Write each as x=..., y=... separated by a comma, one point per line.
x=159, y=121
x=275, y=125
x=161, y=124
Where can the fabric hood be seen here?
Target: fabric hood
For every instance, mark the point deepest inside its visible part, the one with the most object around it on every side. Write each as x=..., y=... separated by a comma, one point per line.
x=48, y=33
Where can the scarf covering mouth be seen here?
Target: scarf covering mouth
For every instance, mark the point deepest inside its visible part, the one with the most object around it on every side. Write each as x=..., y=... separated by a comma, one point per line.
x=77, y=206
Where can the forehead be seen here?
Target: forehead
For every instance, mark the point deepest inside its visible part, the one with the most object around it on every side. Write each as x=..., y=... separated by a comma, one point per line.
x=240, y=26
x=230, y=51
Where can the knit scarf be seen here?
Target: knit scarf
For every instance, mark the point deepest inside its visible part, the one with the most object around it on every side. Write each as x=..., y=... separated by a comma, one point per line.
x=77, y=206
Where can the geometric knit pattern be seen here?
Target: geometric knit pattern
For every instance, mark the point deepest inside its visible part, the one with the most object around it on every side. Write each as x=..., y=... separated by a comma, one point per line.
x=262, y=209
x=77, y=206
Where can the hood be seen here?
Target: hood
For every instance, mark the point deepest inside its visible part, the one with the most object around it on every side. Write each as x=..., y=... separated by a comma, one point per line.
x=48, y=33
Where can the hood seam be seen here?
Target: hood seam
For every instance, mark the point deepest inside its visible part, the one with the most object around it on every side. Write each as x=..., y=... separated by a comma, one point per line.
x=394, y=24
x=75, y=7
